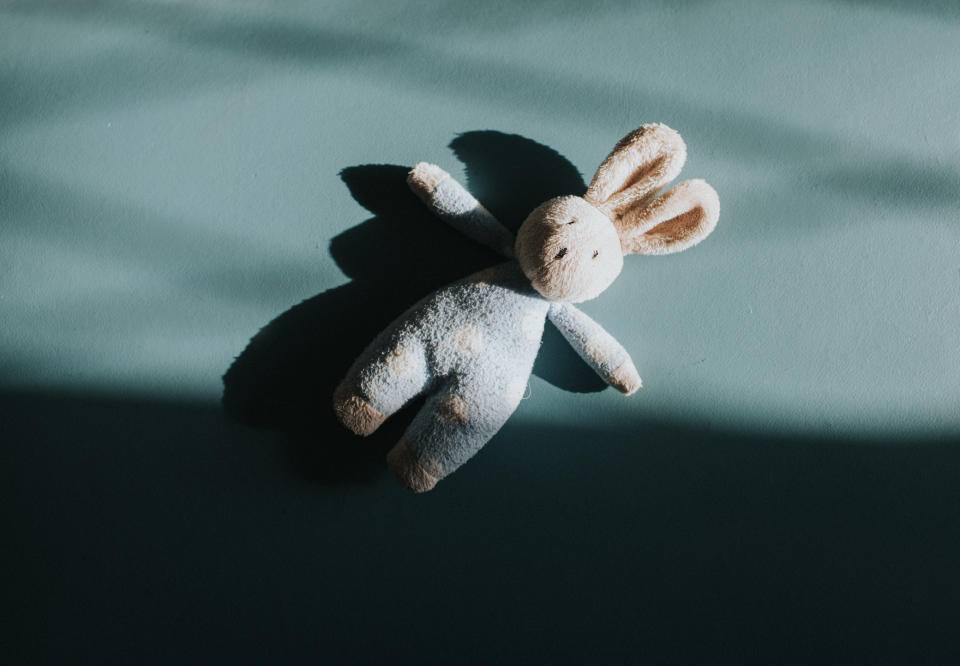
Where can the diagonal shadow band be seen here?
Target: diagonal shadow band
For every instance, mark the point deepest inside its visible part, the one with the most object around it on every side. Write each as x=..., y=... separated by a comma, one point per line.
x=285, y=377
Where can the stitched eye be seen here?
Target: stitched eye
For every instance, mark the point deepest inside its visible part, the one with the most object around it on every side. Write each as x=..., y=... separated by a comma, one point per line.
x=596, y=253
x=572, y=221
x=561, y=253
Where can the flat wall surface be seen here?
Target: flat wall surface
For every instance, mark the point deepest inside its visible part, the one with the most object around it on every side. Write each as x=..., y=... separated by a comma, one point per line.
x=176, y=176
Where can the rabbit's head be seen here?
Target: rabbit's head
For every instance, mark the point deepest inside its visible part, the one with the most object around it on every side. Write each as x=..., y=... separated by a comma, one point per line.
x=571, y=248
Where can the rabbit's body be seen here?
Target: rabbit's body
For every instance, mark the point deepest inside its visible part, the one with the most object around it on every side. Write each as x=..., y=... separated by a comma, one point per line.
x=471, y=346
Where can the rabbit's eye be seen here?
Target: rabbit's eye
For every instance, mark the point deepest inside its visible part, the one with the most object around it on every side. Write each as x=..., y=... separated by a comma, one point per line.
x=561, y=253
x=573, y=221
x=596, y=253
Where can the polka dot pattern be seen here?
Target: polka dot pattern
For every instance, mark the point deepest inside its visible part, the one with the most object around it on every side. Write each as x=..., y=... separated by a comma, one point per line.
x=453, y=409
x=468, y=340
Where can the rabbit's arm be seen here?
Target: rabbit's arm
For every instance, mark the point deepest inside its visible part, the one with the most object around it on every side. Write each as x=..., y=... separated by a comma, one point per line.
x=598, y=348
x=458, y=208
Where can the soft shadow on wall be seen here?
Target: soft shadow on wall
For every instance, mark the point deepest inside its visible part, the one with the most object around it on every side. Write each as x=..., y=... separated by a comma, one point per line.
x=160, y=532
x=285, y=377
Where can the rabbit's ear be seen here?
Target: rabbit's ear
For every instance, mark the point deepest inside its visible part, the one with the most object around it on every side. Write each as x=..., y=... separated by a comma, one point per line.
x=640, y=164
x=674, y=221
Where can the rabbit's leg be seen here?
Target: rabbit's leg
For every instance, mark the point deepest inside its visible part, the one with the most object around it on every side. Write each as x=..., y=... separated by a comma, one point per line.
x=452, y=426
x=381, y=382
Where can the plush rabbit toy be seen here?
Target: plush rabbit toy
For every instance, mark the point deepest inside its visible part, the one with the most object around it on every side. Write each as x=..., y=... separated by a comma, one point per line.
x=471, y=345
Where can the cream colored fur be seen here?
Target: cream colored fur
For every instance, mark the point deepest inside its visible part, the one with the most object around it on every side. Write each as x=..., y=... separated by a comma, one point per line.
x=568, y=247
x=642, y=162
x=625, y=189
x=679, y=219
x=424, y=180
x=356, y=413
x=626, y=379
x=409, y=471
x=569, y=250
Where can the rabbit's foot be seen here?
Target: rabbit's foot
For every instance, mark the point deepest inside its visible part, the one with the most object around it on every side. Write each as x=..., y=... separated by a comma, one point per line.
x=625, y=379
x=425, y=178
x=355, y=413
x=417, y=475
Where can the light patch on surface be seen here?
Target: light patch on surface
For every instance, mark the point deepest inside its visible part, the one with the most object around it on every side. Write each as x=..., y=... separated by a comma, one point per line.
x=532, y=326
x=468, y=340
x=402, y=362
x=453, y=409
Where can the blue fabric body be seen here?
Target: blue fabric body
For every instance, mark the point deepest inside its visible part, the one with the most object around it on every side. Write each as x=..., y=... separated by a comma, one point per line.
x=471, y=347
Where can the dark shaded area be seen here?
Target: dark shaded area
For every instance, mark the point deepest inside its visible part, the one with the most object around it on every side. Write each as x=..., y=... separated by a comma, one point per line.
x=285, y=377
x=511, y=175
x=159, y=532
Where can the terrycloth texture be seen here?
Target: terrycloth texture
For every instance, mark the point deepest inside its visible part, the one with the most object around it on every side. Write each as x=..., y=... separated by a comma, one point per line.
x=596, y=347
x=457, y=207
x=409, y=471
x=470, y=346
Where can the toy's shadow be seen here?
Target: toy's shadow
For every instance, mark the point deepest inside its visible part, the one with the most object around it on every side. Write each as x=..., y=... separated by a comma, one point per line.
x=285, y=377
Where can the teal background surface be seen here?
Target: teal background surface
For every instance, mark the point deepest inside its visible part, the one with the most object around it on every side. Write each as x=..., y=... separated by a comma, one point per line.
x=176, y=175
